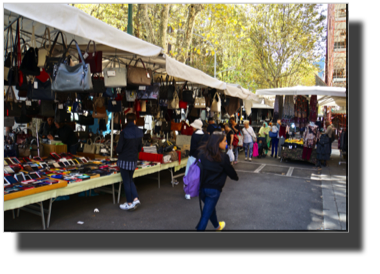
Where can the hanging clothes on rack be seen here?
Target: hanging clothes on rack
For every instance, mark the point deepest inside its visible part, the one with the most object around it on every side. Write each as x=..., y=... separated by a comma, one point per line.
x=278, y=107
x=310, y=137
x=300, y=111
x=289, y=106
x=313, y=113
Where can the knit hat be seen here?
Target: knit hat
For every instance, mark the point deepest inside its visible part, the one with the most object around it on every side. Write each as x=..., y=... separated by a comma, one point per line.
x=197, y=124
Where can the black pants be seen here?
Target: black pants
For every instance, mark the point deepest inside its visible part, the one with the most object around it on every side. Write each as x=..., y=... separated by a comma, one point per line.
x=129, y=185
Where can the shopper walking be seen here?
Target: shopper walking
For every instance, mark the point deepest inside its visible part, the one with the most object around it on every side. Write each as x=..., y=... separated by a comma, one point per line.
x=198, y=138
x=330, y=131
x=230, y=138
x=216, y=167
x=249, y=139
x=264, y=136
x=128, y=148
x=275, y=130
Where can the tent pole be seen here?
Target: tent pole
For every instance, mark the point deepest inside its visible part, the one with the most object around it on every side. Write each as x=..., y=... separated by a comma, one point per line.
x=111, y=134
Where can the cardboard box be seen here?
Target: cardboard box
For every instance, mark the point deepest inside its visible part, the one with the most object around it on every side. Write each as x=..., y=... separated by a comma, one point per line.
x=54, y=148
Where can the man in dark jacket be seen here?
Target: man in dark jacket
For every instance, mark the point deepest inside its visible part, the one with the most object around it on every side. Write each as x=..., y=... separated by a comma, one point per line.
x=128, y=148
x=65, y=134
x=211, y=126
x=47, y=128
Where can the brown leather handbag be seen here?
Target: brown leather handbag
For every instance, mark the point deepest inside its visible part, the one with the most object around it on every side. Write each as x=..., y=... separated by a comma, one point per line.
x=175, y=126
x=139, y=76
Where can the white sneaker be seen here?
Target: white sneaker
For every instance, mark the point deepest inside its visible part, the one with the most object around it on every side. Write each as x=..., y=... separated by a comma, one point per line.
x=187, y=197
x=125, y=206
x=250, y=159
x=245, y=158
x=136, y=203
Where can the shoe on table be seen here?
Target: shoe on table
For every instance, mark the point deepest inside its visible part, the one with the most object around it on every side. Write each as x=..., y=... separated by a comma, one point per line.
x=136, y=203
x=128, y=207
x=221, y=226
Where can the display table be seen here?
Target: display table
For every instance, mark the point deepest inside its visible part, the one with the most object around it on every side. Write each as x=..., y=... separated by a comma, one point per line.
x=296, y=154
x=174, y=167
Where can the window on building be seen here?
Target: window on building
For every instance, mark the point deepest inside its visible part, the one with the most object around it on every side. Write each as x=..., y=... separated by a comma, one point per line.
x=340, y=45
x=341, y=13
x=339, y=73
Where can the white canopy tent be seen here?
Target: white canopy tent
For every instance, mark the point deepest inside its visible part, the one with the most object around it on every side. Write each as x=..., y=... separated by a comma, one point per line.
x=302, y=90
x=332, y=101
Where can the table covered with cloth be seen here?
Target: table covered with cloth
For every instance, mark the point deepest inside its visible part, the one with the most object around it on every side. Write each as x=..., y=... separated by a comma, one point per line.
x=296, y=154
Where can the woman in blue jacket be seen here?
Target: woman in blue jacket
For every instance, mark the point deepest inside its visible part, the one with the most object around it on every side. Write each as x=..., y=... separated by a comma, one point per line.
x=216, y=167
x=128, y=148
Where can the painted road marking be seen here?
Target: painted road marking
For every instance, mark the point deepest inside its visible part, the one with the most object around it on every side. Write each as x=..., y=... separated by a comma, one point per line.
x=259, y=168
x=290, y=171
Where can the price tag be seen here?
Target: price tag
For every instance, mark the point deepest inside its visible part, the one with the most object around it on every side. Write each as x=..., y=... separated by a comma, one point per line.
x=85, y=55
x=60, y=106
x=147, y=75
x=111, y=73
x=28, y=103
x=142, y=87
x=114, y=103
x=36, y=85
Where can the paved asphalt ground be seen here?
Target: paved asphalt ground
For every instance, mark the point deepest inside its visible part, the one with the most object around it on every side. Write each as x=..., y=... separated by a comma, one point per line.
x=270, y=195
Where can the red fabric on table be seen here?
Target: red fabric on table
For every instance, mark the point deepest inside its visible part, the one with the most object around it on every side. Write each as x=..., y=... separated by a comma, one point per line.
x=179, y=156
x=151, y=157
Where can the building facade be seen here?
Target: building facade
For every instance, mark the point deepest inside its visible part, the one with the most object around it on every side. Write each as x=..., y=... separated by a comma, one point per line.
x=336, y=45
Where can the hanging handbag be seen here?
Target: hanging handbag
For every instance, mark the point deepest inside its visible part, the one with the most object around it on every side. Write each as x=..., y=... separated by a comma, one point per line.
x=186, y=129
x=216, y=105
x=152, y=108
x=46, y=109
x=182, y=104
x=143, y=105
x=102, y=125
x=149, y=92
x=98, y=84
x=11, y=106
x=85, y=120
x=177, y=114
x=114, y=106
x=22, y=119
x=166, y=126
x=24, y=150
x=131, y=95
x=29, y=61
x=137, y=106
x=187, y=95
x=174, y=103
x=163, y=89
x=171, y=90
x=32, y=108
x=175, y=126
x=51, y=60
x=163, y=103
x=100, y=113
x=139, y=76
x=9, y=121
x=39, y=90
x=89, y=147
x=77, y=105
x=94, y=58
x=115, y=77
x=200, y=102
x=61, y=114
x=44, y=50
x=72, y=79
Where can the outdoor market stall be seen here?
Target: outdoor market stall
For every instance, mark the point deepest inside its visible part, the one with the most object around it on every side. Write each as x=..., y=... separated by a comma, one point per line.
x=300, y=129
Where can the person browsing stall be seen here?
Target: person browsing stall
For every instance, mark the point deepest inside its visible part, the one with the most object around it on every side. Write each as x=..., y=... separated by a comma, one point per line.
x=274, y=129
x=47, y=128
x=211, y=126
x=128, y=148
x=216, y=167
x=66, y=134
x=230, y=138
x=264, y=136
x=249, y=139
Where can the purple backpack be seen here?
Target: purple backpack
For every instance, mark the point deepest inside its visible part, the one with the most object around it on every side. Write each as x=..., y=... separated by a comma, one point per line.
x=192, y=180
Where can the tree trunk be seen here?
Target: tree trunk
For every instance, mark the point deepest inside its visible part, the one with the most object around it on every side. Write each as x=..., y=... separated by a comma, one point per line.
x=137, y=21
x=147, y=24
x=164, y=26
x=194, y=10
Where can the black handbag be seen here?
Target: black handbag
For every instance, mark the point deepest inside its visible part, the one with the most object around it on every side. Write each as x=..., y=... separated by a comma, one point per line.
x=32, y=108
x=152, y=108
x=171, y=90
x=163, y=94
x=98, y=85
x=47, y=109
x=114, y=106
x=61, y=115
x=150, y=93
x=51, y=61
x=11, y=106
x=85, y=120
x=23, y=118
x=166, y=126
x=176, y=114
x=29, y=63
x=102, y=125
x=187, y=95
x=40, y=90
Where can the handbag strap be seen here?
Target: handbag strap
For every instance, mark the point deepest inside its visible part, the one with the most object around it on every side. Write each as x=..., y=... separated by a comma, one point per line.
x=33, y=39
x=141, y=63
x=46, y=38
x=55, y=42
x=89, y=139
x=88, y=47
